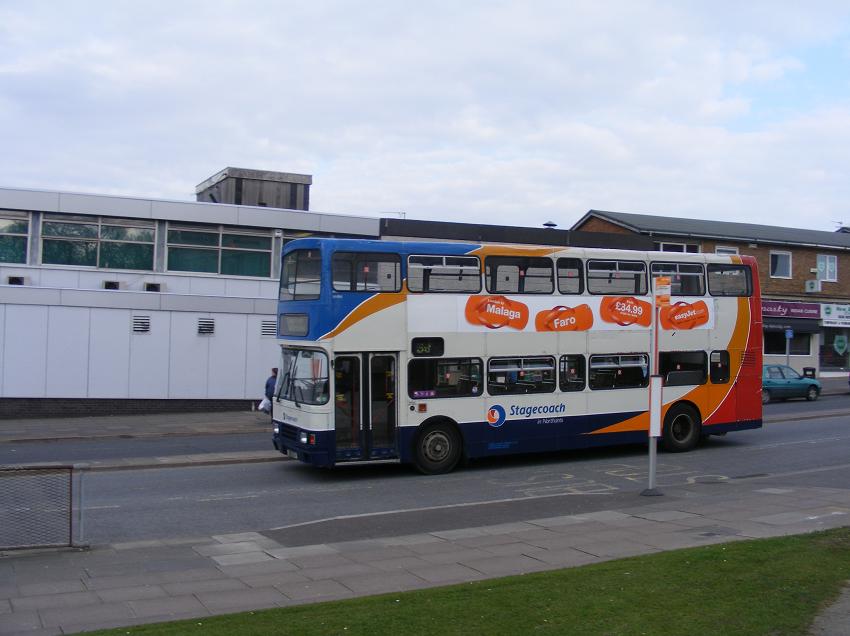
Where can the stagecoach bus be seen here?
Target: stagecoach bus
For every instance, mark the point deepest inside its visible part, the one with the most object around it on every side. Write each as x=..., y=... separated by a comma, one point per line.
x=429, y=353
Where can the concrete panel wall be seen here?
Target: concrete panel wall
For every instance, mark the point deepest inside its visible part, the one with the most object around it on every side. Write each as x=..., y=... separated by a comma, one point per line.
x=188, y=357
x=90, y=352
x=67, y=351
x=226, y=369
x=25, y=351
x=109, y=353
x=149, y=371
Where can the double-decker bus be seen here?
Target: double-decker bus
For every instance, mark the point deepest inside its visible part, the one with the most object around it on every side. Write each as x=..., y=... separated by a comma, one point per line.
x=429, y=353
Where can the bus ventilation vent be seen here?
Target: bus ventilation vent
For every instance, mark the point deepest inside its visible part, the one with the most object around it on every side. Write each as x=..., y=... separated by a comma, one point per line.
x=16, y=280
x=748, y=359
x=206, y=326
x=153, y=287
x=141, y=324
x=268, y=328
x=111, y=284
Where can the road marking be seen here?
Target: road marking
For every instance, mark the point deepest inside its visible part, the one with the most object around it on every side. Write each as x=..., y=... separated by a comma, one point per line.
x=100, y=507
x=428, y=508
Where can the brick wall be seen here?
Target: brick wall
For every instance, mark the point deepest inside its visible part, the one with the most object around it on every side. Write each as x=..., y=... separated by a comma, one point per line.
x=594, y=224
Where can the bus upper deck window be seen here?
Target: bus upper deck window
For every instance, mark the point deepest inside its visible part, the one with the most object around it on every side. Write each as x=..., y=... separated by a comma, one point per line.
x=366, y=272
x=519, y=275
x=616, y=277
x=301, y=276
x=730, y=280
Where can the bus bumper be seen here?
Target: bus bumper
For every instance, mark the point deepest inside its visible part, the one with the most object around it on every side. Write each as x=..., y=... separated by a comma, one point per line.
x=295, y=443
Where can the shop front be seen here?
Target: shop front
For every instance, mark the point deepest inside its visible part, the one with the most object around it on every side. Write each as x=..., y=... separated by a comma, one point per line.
x=835, y=337
x=791, y=333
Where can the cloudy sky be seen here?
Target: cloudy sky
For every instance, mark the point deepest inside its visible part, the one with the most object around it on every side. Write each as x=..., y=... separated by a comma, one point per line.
x=489, y=112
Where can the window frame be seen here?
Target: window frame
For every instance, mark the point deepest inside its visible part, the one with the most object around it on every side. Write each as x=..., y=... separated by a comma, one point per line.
x=378, y=257
x=666, y=358
x=426, y=290
x=470, y=360
x=671, y=275
x=712, y=268
x=219, y=247
x=726, y=250
x=588, y=278
x=581, y=285
x=564, y=385
x=99, y=223
x=507, y=260
x=779, y=253
x=829, y=258
x=16, y=217
x=522, y=360
x=660, y=245
x=293, y=295
x=620, y=359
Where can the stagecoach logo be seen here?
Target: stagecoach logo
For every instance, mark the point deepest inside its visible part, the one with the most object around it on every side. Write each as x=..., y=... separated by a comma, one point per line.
x=496, y=416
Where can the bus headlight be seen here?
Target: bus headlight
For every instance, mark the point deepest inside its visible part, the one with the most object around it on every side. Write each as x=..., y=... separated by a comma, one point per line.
x=303, y=437
x=277, y=429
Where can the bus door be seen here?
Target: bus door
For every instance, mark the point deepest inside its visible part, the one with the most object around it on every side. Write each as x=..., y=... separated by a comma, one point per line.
x=365, y=405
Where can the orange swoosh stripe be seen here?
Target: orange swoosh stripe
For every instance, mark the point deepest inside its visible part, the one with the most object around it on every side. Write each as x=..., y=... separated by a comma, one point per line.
x=368, y=307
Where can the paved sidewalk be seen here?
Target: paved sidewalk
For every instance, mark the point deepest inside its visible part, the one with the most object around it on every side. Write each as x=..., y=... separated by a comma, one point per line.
x=151, y=581
x=134, y=426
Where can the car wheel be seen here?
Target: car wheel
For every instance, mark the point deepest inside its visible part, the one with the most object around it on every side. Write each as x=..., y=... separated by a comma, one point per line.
x=812, y=394
x=438, y=448
x=765, y=396
x=682, y=429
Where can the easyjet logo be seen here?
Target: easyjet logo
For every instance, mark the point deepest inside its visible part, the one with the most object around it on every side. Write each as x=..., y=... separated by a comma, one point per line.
x=683, y=315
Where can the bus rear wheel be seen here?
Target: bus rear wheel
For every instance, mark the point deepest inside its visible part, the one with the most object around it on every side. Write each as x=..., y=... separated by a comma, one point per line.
x=682, y=429
x=438, y=448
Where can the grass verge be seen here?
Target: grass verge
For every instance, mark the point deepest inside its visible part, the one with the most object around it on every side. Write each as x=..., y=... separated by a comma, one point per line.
x=767, y=586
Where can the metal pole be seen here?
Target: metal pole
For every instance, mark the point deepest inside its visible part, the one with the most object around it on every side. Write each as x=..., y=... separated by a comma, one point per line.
x=80, y=469
x=655, y=405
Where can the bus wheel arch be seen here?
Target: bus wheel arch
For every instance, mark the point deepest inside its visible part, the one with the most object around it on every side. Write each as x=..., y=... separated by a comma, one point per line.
x=682, y=428
x=437, y=446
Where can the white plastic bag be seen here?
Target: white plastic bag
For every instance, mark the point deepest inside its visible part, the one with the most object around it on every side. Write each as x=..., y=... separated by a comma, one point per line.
x=265, y=406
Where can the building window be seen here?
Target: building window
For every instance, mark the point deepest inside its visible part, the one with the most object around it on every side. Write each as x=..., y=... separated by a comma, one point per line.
x=107, y=243
x=726, y=250
x=690, y=248
x=780, y=264
x=14, y=232
x=774, y=344
x=828, y=267
x=219, y=250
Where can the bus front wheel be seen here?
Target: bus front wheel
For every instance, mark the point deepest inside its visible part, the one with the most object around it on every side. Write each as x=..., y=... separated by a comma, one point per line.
x=682, y=429
x=438, y=448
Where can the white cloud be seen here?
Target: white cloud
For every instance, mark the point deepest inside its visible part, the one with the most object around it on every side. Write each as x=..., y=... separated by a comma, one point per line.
x=487, y=112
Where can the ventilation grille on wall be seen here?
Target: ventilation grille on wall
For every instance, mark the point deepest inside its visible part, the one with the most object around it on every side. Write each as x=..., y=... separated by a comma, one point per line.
x=268, y=328
x=206, y=326
x=141, y=324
